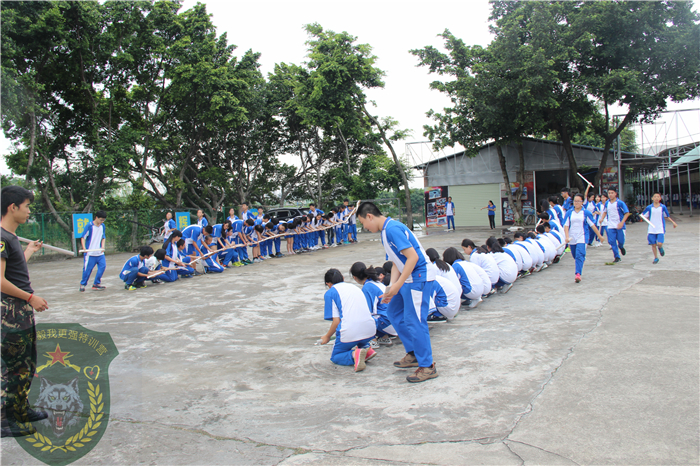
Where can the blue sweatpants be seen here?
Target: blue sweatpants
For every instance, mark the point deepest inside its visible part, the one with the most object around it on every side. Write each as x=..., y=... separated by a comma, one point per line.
x=616, y=240
x=450, y=219
x=342, y=352
x=278, y=245
x=408, y=313
x=89, y=262
x=130, y=276
x=227, y=256
x=353, y=231
x=382, y=323
x=578, y=252
x=212, y=266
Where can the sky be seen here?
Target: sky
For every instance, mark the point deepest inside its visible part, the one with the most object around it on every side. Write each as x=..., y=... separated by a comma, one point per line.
x=392, y=28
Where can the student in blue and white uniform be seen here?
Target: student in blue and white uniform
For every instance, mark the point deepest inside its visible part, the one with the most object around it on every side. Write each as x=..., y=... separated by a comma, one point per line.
x=556, y=238
x=532, y=249
x=520, y=254
x=550, y=250
x=352, y=323
x=408, y=295
x=472, y=278
x=445, y=300
x=507, y=267
x=568, y=201
x=191, y=235
x=201, y=219
x=616, y=213
x=94, y=238
x=352, y=225
x=576, y=233
x=211, y=264
x=373, y=289
x=175, y=257
x=591, y=206
x=231, y=216
x=450, y=213
x=135, y=272
x=657, y=214
x=244, y=213
x=557, y=209
x=485, y=261
x=168, y=226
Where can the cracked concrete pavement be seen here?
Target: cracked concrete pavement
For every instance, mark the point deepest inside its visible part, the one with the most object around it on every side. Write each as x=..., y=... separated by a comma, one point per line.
x=223, y=369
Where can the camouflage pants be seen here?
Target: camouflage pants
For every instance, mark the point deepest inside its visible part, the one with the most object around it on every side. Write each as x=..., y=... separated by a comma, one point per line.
x=18, y=352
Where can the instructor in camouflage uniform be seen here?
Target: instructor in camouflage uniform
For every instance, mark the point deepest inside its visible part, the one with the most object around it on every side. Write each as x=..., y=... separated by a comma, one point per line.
x=18, y=305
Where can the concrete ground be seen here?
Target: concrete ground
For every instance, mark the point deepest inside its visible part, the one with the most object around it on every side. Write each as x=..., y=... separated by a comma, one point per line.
x=223, y=369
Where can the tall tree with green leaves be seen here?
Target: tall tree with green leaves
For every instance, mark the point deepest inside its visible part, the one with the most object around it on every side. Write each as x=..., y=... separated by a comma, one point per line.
x=333, y=98
x=638, y=55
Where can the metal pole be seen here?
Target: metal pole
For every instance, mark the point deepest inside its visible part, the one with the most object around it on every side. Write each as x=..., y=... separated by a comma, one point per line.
x=670, y=183
x=690, y=192
x=680, y=190
x=619, y=167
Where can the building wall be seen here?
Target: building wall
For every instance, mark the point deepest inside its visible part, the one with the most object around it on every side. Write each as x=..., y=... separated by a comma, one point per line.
x=484, y=168
x=469, y=199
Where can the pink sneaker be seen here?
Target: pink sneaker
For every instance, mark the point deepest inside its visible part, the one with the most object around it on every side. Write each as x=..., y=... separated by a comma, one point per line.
x=370, y=354
x=578, y=278
x=359, y=355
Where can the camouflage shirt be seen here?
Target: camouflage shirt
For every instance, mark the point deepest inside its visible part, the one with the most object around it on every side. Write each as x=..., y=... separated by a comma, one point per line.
x=16, y=271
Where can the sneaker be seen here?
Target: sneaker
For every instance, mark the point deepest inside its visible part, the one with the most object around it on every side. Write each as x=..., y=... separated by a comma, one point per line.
x=407, y=361
x=662, y=252
x=433, y=318
x=568, y=249
x=370, y=354
x=617, y=259
x=333, y=245
x=155, y=280
x=385, y=341
x=491, y=293
x=422, y=374
x=197, y=274
x=346, y=242
x=656, y=260
x=474, y=303
x=373, y=344
x=577, y=279
x=506, y=288
x=140, y=285
x=325, y=246
x=98, y=287
x=359, y=355
x=544, y=266
x=129, y=287
x=622, y=251
x=82, y=287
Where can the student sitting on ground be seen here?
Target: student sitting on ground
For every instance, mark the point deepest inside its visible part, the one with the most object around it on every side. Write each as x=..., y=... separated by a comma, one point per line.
x=443, y=268
x=373, y=288
x=352, y=323
x=135, y=272
x=175, y=257
x=444, y=300
x=507, y=267
x=211, y=264
x=533, y=251
x=474, y=283
x=484, y=261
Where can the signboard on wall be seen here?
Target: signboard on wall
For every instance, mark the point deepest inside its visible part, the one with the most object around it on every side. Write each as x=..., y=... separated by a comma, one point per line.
x=435, y=200
x=80, y=221
x=609, y=178
x=527, y=199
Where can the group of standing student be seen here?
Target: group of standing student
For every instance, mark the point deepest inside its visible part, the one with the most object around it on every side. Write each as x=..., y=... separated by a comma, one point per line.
x=226, y=245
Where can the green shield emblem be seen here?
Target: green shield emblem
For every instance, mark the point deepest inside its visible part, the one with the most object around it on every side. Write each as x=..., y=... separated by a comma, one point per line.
x=72, y=385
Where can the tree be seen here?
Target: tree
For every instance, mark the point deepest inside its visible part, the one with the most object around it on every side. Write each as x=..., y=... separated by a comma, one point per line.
x=637, y=55
x=333, y=98
x=488, y=104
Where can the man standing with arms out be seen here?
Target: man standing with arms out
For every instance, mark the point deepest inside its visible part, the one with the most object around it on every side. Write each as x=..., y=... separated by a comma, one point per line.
x=408, y=294
x=617, y=213
x=94, y=239
x=450, y=212
x=245, y=213
x=18, y=305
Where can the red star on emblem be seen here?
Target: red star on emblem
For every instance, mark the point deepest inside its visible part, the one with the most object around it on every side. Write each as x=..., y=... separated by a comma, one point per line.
x=58, y=355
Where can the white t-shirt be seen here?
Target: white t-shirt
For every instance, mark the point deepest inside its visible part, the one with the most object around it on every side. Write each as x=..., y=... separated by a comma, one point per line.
x=96, y=240
x=656, y=218
x=613, y=216
x=453, y=294
x=451, y=275
x=448, y=210
x=486, y=262
x=507, y=268
x=575, y=222
x=348, y=302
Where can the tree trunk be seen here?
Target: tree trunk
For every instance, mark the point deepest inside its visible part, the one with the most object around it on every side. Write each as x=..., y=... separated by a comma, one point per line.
x=135, y=231
x=32, y=143
x=609, y=138
x=573, y=165
x=404, y=178
x=347, y=151
x=506, y=180
x=52, y=209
